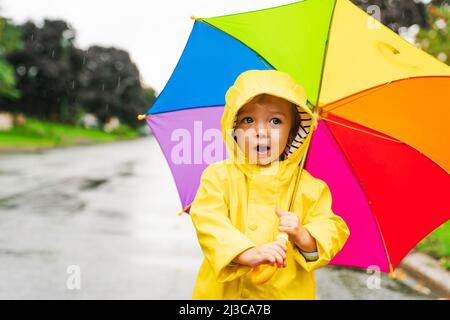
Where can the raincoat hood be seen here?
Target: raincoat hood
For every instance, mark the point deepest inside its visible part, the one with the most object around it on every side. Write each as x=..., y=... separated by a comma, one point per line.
x=276, y=83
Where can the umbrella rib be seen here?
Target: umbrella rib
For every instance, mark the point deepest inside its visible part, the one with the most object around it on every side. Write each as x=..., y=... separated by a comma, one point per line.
x=300, y=170
x=353, y=97
x=148, y=115
x=347, y=161
x=362, y=131
x=324, y=59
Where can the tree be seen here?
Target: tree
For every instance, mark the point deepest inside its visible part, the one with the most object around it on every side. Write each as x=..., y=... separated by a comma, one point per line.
x=110, y=85
x=46, y=71
x=59, y=81
x=436, y=39
x=400, y=13
x=9, y=42
x=150, y=96
x=397, y=13
x=440, y=2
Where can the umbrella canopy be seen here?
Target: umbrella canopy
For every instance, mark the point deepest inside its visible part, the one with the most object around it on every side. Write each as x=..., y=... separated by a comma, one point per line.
x=382, y=139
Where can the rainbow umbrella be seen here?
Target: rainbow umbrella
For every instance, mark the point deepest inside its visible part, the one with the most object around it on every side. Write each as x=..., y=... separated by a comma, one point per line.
x=382, y=142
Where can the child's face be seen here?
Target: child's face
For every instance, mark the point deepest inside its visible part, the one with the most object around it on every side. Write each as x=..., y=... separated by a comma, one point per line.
x=263, y=127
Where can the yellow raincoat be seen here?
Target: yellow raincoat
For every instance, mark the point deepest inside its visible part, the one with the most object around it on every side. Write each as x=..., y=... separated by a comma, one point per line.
x=234, y=208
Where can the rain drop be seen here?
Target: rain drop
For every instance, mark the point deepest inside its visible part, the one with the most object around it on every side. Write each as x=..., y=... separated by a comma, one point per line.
x=33, y=71
x=21, y=70
x=442, y=57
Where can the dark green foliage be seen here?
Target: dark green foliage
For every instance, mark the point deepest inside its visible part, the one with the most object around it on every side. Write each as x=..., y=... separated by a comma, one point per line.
x=58, y=81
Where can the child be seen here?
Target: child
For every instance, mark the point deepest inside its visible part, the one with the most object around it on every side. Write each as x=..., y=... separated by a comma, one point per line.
x=241, y=204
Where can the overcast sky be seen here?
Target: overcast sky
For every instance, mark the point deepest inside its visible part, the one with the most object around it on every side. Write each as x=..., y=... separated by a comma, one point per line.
x=153, y=32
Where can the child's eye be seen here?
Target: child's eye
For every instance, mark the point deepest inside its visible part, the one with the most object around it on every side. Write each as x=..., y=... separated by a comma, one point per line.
x=247, y=118
x=275, y=121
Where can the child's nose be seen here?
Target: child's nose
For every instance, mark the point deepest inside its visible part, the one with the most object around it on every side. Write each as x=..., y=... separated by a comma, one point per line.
x=262, y=131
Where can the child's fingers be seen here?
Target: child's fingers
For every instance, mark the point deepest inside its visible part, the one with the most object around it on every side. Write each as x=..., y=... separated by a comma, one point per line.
x=272, y=256
x=287, y=220
x=280, y=251
x=279, y=258
x=288, y=230
x=281, y=244
x=271, y=259
x=281, y=213
x=289, y=217
x=263, y=257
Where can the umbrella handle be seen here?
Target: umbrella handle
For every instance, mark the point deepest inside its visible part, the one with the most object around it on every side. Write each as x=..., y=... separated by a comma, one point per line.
x=264, y=272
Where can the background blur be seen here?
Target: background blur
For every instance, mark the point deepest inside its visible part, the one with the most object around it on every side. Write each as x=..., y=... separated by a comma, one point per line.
x=82, y=218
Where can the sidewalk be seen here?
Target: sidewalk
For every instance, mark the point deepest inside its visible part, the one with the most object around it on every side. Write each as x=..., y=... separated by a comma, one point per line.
x=424, y=274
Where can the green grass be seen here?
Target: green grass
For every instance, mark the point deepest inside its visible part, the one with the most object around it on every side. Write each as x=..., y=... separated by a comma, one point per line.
x=437, y=244
x=35, y=135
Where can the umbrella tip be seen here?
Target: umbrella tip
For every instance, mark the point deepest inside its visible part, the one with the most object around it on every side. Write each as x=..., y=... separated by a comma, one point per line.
x=392, y=274
x=194, y=18
x=184, y=210
x=143, y=116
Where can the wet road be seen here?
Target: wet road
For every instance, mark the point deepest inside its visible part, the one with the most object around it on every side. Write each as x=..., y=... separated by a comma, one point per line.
x=100, y=222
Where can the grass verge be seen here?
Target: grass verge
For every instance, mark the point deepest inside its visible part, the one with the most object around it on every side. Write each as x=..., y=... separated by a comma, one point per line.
x=437, y=245
x=37, y=135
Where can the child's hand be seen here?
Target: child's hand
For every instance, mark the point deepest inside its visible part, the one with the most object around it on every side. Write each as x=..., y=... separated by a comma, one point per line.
x=290, y=224
x=271, y=252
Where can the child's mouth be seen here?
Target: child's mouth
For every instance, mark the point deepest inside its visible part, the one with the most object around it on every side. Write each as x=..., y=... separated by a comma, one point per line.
x=262, y=149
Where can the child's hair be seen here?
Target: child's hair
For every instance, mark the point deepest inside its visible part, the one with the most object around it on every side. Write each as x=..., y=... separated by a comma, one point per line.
x=295, y=123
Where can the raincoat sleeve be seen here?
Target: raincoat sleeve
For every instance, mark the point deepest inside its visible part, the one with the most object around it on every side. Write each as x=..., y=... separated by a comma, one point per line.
x=219, y=239
x=328, y=229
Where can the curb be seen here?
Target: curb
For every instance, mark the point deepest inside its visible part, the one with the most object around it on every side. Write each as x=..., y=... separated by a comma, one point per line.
x=429, y=277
